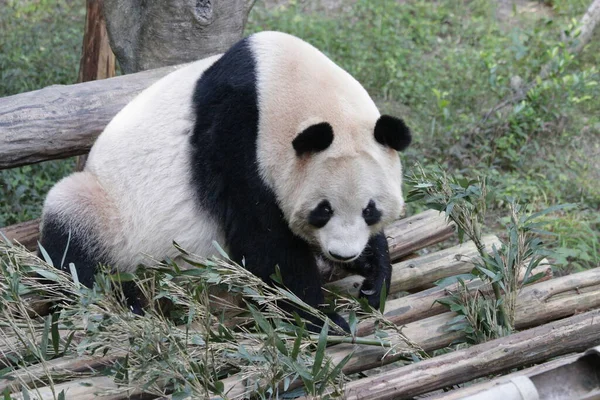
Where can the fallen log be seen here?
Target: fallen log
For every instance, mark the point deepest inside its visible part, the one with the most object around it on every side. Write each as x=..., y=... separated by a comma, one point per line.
x=424, y=304
x=539, y=369
x=26, y=233
x=576, y=333
x=62, y=121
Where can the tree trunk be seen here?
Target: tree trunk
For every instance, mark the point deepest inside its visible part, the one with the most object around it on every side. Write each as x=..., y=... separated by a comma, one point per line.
x=97, y=59
x=151, y=34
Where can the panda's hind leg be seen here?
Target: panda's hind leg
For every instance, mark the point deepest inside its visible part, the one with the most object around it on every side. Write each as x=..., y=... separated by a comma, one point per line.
x=80, y=225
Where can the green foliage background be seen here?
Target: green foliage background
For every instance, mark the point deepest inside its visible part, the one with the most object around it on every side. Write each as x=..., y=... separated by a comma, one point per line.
x=439, y=65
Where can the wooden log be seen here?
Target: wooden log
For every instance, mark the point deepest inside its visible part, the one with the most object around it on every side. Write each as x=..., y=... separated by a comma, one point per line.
x=421, y=271
x=558, y=298
x=432, y=333
x=98, y=387
x=479, y=387
x=423, y=304
x=576, y=333
x=69, y=366
x=25, y=233
x=417, y=232
x=63, y=121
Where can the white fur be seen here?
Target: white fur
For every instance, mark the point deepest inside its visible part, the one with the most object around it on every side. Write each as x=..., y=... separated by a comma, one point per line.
x=141, y=160
x=298, y=87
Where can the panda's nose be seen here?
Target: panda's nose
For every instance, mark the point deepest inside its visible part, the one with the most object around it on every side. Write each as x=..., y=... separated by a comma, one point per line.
x=341, y=258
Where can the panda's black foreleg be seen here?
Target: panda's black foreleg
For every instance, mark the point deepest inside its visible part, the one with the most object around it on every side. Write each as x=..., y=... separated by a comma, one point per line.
x=375, y=265
x=297, y=266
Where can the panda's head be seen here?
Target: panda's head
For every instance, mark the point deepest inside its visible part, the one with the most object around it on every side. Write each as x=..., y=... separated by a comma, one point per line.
x=346, y=191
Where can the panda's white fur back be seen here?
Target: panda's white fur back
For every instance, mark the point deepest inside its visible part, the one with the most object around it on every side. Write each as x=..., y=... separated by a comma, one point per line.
x=140, y=164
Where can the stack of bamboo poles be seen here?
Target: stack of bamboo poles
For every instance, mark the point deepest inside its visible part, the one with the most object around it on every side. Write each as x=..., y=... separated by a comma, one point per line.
x=565, y=305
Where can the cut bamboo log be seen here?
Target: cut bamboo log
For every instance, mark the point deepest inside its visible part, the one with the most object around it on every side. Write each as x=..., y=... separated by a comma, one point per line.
x=576, y=333
x=422, y=271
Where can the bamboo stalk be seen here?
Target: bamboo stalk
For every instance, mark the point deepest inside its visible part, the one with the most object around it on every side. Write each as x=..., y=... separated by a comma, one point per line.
x=576, y=333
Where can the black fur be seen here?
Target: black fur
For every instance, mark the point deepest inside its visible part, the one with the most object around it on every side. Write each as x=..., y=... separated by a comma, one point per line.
x=313, y=139
x=371, y=214
x=320, y=216
x=374, y=264
x=224, y=170
x=85, y=253
x=392, y=132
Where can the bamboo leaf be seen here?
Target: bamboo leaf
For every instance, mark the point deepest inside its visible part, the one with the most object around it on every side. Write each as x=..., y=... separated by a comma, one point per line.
x=320, y=353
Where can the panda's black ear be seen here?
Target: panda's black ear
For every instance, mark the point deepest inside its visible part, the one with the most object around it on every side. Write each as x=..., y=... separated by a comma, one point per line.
x=313, y=139
x=392, y=132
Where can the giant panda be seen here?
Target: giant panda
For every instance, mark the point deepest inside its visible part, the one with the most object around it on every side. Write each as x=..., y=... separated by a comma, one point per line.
x=270, y=149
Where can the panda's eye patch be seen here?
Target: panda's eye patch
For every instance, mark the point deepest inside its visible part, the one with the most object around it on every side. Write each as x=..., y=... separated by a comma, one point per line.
x=371, y=214
x=321, y=214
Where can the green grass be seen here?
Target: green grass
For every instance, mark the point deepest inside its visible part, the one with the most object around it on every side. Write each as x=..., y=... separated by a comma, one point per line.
x=440, y=68
x=40, y=45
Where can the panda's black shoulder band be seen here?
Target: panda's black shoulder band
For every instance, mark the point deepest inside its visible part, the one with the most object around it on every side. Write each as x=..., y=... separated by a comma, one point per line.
x=313, y=139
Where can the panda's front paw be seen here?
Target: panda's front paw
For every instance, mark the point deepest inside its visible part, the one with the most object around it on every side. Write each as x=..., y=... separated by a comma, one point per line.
x=317, y=325
x=339, y=321
x=371, y=292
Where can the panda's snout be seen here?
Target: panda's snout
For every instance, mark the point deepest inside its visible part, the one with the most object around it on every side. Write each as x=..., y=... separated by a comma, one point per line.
x=341, y=258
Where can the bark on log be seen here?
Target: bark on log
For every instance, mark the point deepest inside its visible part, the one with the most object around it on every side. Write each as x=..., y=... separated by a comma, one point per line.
x=479, y=387
x=63, y=121
x=25, y=233
x=534, y=345
x=146, y=35
x=422, y=271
